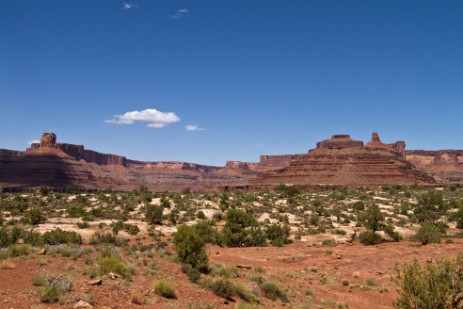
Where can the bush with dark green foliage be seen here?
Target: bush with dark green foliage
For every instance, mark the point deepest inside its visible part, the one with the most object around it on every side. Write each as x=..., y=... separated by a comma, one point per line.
x=287, y=191
x=207, y=232
x=374, y=218
x=389, y=230
x=438, y=285
x=190, y=247
x=10, y=236
x=58, y=236
x=35, y=216
x=242, y=230
x=193, y=274
x=154, y=214
x=44, y=190
x=105, y=238
x=430, y=207
x=370, y=237
x=278, y=234
x=428, y=234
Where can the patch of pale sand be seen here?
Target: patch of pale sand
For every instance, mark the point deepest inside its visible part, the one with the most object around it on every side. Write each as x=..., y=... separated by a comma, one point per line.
x=292, y=218
x=440, y=189
x=282, y=202
x=257, y=204
x=156, y=201
x=166, y=211
x=72, y=197
x=63, y=220
x=452, y=225
x=318, y=239
x=211, y=204
x=266, y=216
x=167, y=230
x=383, y=206
x=379, y=198
x=209, y=213
x=308, y=212
x=404, y=232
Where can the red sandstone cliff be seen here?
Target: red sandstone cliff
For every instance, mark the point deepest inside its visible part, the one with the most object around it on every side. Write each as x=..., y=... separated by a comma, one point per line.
x=341, y=161
x=336, y=161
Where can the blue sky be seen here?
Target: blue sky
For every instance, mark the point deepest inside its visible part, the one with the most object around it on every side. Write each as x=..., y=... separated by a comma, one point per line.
x=259, y=77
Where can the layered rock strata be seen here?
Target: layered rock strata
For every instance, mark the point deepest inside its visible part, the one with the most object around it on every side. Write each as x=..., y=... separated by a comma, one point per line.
x=341, y=161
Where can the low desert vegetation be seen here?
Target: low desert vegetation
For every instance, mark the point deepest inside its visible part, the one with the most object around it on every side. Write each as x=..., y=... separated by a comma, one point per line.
x=129, y=240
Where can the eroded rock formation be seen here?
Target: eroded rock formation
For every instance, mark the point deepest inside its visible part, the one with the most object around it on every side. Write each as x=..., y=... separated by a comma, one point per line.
x=447, y=165
x=338, y=161
x=341, y=161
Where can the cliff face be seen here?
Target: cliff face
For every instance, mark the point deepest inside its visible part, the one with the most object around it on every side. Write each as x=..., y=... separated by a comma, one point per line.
x=447, y=165
x=59, y=165
x=78, y=152
x=341, y=161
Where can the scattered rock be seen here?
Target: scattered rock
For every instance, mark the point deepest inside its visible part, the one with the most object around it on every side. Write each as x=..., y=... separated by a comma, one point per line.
x=82, y=304
x=356, y=274
x=243, y=266
x=95, y=282
x=113, y=276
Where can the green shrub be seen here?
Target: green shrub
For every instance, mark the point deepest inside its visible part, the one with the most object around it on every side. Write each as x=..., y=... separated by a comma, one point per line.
x=369, y=237
x=35, y=216
x=164, y=289
x=428, y=234
x=19, y=250
x=190, y=247
x=154, y=214
x=207, y=232
x=273, y=291
x=200, y=215
x=53, y=287
x=58, y=236
x=242, y=230
x=105, y=238
x=226, y=271
x=430, y=207
x=438, y=285
x=193, y=274
x=278, y=234
x=113, y=264
x=287, y=191
x=221, y=287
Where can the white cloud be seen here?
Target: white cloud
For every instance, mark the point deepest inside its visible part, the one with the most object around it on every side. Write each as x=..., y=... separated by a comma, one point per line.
x=257, y=145
x=155, y=118
x=129, y=5
x=179, y=14
x=193, y=127
x=35, y=141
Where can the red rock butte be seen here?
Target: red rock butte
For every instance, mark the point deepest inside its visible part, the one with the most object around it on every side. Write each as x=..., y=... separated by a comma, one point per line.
x=338, y=161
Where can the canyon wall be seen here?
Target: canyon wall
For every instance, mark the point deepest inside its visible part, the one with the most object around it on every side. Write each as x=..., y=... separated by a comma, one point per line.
x=338, y=161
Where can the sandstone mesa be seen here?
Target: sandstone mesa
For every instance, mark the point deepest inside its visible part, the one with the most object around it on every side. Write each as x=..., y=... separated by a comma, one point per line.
x=338, y=161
